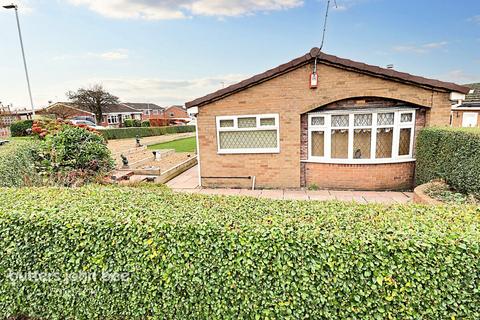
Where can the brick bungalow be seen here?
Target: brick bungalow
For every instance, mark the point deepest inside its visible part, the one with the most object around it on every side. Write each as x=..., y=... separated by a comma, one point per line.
x=354, y=129
x=467, y=114
x=113, y=116
x=177, y=114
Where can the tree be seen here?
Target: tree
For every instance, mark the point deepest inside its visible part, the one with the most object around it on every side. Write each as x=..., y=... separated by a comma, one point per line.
x=94, y=99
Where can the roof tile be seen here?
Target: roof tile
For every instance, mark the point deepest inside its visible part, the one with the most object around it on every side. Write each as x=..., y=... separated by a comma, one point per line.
x=333, y=60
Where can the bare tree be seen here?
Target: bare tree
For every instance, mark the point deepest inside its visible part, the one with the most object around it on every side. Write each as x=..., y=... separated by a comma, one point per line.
x=94, y=99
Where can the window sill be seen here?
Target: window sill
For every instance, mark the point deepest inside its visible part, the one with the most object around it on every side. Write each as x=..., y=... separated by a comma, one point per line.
x=250, y=151
x=359, y=162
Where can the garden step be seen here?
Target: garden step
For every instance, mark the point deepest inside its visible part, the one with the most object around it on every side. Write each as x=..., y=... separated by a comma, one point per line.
x=141, y=178
x=121, y=175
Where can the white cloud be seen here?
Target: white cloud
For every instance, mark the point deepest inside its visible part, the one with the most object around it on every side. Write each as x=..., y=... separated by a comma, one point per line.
x=424, y=48
x=459, y=76
x=178, y=9
x=163, y=91
x=475, y=19
x=119, y=54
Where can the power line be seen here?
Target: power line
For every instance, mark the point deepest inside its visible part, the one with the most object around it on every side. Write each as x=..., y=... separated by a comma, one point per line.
x=326, y=22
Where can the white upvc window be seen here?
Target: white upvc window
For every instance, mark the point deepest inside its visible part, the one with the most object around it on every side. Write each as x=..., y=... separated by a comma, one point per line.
x=248, y=134
x=112, y=119
x=361, y=136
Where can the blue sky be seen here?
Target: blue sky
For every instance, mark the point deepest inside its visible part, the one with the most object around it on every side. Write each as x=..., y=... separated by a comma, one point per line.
x=171, y=51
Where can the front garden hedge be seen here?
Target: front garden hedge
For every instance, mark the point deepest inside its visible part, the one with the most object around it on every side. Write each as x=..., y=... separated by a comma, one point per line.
x=20, y=128
x=146, y=253
x=452, y=155
x=124, y=133
x=17, y=164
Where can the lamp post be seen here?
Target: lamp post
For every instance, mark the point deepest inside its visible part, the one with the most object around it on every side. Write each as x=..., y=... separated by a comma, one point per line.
x=12, y=6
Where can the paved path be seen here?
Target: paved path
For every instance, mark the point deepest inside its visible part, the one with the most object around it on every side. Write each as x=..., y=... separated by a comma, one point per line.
x=188, y=182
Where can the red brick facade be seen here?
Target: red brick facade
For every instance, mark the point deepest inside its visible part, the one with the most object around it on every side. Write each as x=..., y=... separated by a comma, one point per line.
x=391, y=176
x=290, y=96
x=457, y=118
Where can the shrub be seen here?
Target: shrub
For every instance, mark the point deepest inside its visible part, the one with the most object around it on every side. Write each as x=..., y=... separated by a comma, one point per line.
x=128, y=123
x=74, y=156
x=452, y=155
x=124, y=133
x=21, y=128
x=204, y=257
x=44, y=127
x=17, y=164
x=146, y=124
x=132, y=123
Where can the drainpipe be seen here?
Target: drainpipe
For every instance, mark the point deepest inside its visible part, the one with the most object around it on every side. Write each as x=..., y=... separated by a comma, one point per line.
x=194, y=112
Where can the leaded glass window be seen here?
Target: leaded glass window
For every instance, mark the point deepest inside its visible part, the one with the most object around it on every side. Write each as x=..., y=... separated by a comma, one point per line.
x=318, y=143
x=226, y=123
x=248, y=139
x=386, y=119
x=384, y=143
x=339, y=144
x=248, y=134
x=363, y=120
x=404, y=144
x=247, y=122
x=362, y=144
x=318, y=121
x=340, y=121
x=267, y=122
x=406, y=117
x=360, y=136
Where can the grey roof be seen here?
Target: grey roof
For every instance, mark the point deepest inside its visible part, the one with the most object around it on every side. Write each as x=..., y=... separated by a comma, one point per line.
x=113, y=108
x=473, y=97
x=144, y=106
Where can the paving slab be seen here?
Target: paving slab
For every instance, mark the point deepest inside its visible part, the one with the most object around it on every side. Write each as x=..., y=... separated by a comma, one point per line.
x=188, y=182
x=272, y=194
x=295, y=195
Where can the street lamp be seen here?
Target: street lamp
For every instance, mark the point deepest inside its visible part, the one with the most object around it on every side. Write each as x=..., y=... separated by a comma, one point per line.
x=12, y=6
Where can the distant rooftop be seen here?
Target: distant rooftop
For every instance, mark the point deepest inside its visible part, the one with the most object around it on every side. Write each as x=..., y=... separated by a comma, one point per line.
x=144, y=106
x=474, y=95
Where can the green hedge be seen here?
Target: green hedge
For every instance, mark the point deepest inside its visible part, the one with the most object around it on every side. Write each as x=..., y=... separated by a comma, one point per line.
x=452, y=155
x=17, y=164
x=124, y=133
x=205, y=257
x=129, y=123
x=19, y=128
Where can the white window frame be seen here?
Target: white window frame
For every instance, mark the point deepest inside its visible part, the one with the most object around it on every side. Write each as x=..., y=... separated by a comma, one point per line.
x=327, y=129
x=112, y=119
x=470, y=114
x=258, y=127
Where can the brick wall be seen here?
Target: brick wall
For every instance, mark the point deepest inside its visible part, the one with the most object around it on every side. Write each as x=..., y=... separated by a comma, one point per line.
x=394, y=176
x=457, y=118
x=289, y=95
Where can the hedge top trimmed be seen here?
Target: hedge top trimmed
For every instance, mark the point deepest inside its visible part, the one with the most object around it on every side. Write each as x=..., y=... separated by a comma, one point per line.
x=209, y=257
x=153, y=206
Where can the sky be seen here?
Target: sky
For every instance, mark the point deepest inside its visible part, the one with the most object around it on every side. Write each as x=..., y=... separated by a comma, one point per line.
x=172, y=51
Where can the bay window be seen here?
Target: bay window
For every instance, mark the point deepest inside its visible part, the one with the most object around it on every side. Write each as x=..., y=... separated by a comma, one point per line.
x=361, y=136
x=248, y=134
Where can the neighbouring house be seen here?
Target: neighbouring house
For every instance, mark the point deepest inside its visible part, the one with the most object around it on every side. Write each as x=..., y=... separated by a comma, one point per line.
x=149, y=110
x=113, y=115
x=9, y=115
x=467, y=113
x=353, y=126
x=177, y=115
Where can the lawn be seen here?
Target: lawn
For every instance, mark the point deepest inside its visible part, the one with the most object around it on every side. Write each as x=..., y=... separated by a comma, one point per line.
x=181, y=145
